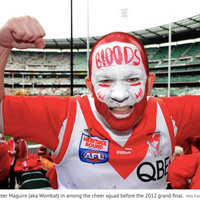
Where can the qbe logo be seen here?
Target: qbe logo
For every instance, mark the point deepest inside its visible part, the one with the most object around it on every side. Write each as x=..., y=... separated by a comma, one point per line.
x=93, y=150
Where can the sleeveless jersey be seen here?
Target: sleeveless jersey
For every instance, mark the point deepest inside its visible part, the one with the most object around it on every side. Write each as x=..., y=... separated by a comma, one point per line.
x=88, y=153
x=89, y=158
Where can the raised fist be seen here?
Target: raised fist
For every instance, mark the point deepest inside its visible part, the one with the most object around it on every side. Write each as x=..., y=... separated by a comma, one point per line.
x=22, y=32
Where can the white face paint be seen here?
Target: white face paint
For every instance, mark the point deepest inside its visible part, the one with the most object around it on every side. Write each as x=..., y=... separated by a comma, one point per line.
x=118, y=77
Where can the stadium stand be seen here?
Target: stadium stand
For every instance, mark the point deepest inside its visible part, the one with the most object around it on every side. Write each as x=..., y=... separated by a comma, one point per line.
x=47, y=73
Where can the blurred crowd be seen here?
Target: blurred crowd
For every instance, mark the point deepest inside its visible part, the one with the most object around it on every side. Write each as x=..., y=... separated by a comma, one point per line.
x=16, y=160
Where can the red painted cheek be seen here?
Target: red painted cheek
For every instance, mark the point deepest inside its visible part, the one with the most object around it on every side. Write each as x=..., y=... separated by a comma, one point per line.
x=139, y=94
x=100, y=96
x=120, y=124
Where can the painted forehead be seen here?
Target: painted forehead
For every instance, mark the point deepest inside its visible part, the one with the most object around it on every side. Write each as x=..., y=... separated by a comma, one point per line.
x=115, y=54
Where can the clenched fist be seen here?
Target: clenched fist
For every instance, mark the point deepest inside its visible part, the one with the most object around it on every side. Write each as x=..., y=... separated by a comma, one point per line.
x=22, y=32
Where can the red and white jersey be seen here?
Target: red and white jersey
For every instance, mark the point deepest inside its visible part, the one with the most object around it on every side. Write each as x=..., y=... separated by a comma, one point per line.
x=105, y=161
x=4, y=160
x=89, y=154
x=184, y=168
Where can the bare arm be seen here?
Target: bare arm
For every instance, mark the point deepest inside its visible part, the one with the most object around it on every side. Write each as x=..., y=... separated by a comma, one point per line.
x=4, y=53
x=22, y=33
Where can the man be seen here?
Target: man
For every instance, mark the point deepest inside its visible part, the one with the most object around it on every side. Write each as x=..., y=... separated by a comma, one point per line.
x=117, y=137
x=42, y=152
x=184, y=171
x=191, y=144
x=4, y=163
x=178, y=151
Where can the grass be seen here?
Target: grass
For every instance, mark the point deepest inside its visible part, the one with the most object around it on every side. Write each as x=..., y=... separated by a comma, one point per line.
x=28, y=142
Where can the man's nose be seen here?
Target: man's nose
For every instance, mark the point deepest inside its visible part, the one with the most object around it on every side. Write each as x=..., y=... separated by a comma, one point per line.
x=119, y=92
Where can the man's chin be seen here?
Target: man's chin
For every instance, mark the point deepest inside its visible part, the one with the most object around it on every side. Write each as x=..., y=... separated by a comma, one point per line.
x=120, y=124
x=117, y=123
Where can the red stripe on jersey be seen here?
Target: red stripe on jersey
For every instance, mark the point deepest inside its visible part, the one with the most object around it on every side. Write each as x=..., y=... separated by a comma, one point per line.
x=68, y=130
x=168, y=121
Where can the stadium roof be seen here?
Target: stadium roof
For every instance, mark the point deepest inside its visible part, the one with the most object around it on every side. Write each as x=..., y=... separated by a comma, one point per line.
x=181, y=30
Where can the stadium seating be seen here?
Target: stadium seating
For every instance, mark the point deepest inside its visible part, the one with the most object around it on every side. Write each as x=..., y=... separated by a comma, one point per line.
x=179, y=50
x=36, y=183
x=160, y=54
x=194, y=50
x=184, y=58
x=31, y=175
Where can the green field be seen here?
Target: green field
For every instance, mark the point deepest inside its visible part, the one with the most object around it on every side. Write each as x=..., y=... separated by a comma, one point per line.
x=28, y=142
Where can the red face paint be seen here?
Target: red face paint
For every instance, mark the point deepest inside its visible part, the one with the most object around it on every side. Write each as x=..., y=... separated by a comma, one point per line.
x=116, y=123
x=104, y=55
x=104, y=85
x=135, y=84
x=139, y=94
x=120, y=124
x=117, y=55
x=100, y=96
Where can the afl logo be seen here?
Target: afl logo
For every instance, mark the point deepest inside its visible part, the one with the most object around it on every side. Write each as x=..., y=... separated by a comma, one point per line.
x=93, y=150
x=94, y=157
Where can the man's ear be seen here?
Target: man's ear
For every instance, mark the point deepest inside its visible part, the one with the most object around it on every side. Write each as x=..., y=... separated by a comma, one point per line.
x=151, y=80
x=89, y=85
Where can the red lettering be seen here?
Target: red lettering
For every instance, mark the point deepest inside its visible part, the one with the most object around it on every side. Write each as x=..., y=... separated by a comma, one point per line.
x=126, y=55
x=92, y=140
x=86, y=139
x=103, y=58
x=87, y=144
x=98, y=62
x=99, y=142
x=91, y=145
x=136, y=63
x=109, y=61
x=94, y=146
x=117, y=55
x=107, y=56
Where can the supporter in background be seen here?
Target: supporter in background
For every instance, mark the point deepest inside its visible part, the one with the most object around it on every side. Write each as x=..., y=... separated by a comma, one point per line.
x=184, y=170
x=52, y=177
x=191, y=144
x=4, y=163
x=177, y=152
x=17, y=148
x=42, y=152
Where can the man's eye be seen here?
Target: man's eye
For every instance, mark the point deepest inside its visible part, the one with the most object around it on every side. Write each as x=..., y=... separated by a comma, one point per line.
x=132, y=80
x=106, y=81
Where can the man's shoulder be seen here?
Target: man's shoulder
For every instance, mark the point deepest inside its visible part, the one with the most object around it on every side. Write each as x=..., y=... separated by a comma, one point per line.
x=83, y=98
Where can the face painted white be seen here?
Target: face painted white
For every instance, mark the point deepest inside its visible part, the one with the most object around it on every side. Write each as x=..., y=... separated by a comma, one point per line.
x=118, y=77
